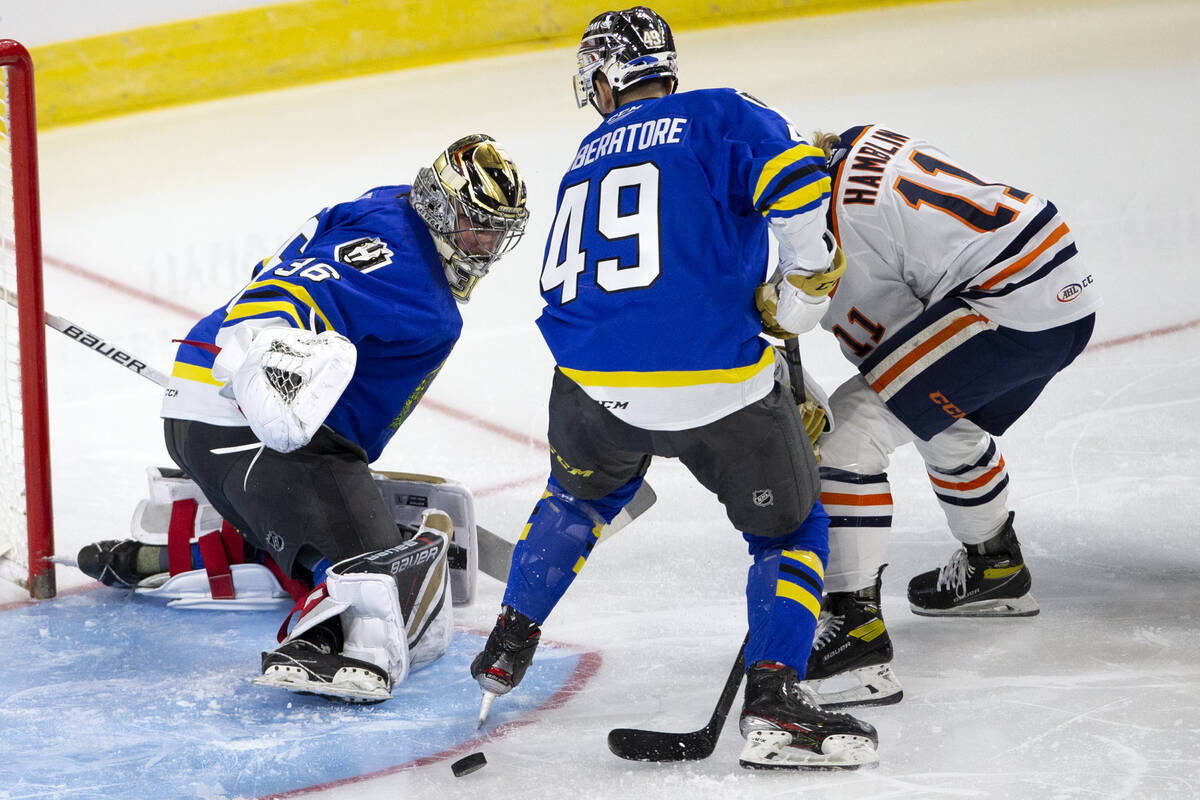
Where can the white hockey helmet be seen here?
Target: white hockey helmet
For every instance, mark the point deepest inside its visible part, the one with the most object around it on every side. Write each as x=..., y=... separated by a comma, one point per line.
x=629, y=47
x=473, y=200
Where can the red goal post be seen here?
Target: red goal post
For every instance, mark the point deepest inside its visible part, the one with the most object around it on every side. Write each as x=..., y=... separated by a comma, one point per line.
x=26, y=524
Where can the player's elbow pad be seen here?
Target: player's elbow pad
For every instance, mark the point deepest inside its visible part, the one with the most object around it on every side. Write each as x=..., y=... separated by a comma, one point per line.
x=290, y=381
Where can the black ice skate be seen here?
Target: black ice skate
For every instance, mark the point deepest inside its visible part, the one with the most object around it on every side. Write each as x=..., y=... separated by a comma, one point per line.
x=852, y=641
x=116, y=562
x=786, y=729
x=983, y=580
x=314, y=665
x=508, y=652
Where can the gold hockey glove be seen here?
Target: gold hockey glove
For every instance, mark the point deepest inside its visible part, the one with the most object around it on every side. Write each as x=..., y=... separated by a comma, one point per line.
x=822, y=283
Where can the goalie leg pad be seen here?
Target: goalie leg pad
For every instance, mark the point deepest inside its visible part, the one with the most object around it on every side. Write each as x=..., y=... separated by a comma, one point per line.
x=393, y=617
x=409, y=496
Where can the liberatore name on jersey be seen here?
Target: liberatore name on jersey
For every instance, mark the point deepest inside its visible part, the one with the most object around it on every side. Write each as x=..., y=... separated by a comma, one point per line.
x=367, y=269
x=659, y=239
x=917, y=227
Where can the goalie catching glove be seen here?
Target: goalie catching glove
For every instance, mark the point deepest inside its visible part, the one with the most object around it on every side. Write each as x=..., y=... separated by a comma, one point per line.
x=795, y=301
x=288, y=382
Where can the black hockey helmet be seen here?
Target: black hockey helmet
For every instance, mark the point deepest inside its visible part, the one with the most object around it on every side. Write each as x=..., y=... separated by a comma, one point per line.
x=629, y=47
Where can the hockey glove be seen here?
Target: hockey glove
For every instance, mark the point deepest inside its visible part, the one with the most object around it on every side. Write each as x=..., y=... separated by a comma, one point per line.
x=290, y=381
x=795, y=303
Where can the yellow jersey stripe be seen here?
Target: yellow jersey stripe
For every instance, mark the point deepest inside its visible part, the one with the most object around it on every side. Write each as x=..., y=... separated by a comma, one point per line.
x=800, y=594
x=772, y=168
x=190, y=372
x=299, y=292
x=695, y=377
x=253, y=309
x=805, y=195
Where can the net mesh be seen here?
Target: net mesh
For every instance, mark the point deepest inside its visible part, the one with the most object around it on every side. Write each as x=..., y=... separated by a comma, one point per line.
x=13, y=528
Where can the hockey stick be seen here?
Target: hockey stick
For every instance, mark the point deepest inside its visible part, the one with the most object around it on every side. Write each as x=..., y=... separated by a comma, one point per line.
x=639, y=745
x=495, y=552
x=94, y=342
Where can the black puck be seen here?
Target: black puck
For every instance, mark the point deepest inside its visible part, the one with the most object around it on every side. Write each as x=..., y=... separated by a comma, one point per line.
x=468, y=764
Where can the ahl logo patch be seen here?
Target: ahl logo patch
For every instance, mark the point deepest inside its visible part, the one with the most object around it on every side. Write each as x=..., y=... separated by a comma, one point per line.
x=365, y=255
x=764, y=498
x=1069, y=292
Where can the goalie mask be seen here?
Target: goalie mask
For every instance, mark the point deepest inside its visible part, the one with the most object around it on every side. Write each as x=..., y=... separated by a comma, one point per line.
x=473, y=200
x=629, y=47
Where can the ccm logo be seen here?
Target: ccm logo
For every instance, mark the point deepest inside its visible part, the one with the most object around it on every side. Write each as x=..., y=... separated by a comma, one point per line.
x=1073, y=290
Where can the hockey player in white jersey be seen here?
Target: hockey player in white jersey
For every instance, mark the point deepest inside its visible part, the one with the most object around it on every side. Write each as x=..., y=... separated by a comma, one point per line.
x=964, y=297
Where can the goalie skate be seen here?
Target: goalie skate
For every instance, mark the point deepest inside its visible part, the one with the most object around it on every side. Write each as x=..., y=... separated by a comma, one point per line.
x=786, y=729
x=306, y=668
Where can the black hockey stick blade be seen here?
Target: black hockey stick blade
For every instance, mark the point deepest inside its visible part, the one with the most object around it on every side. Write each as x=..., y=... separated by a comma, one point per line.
x=632, y=744
x=495, y=552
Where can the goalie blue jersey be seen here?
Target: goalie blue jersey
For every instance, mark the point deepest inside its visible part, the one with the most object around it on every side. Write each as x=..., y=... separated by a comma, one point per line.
x=367, y=269
x=659, y=240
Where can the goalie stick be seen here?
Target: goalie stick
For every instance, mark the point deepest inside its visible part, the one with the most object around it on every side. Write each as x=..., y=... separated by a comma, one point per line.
x=94, y=342
x=495, y=552
x=639, y=745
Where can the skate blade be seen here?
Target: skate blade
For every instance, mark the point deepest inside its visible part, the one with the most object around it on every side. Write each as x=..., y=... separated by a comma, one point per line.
x=1023, y=606
x=876, y=686
x=774, y=750
x=299, y=681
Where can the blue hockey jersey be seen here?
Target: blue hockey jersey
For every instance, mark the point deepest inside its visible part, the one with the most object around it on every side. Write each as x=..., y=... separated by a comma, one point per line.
x=367, y=269
x=658, y=241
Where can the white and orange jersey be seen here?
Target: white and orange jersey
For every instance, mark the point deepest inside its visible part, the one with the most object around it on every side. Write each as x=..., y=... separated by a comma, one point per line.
x=916, y=227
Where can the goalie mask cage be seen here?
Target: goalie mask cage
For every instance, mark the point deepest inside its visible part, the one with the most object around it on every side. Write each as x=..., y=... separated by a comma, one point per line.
x=26, y=530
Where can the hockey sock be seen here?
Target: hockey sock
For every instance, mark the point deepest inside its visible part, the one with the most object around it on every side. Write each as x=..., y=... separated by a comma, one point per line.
x=860, y=519
x=783, y=592
x=558, y=538
x=153, y=559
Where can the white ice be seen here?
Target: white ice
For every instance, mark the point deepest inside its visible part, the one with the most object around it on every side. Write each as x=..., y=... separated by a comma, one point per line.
x=1092, y=103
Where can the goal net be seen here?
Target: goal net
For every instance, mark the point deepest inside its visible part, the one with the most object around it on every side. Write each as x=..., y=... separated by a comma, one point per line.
x=26, y=538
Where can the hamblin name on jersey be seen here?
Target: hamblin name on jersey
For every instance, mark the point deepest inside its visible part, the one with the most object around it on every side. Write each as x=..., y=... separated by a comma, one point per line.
x=634, y=136
x=870, y=160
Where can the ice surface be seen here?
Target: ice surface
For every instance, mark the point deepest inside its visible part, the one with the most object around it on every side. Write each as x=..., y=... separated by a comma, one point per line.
x=1092, y=104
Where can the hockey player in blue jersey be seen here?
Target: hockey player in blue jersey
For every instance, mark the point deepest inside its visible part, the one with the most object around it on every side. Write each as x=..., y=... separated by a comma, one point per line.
x=658, y=245
x=280, y=399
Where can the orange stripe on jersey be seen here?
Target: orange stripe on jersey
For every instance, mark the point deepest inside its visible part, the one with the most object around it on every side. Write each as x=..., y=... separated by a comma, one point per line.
x=834, y=206
x=837, y=499
x=1059, y=232
x=955, y=326
x=967, y=486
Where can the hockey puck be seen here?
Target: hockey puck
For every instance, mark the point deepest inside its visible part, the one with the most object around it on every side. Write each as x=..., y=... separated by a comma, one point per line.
x=468, y=764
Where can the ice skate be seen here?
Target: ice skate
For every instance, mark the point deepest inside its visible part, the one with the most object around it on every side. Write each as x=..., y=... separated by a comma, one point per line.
x=507, y=653
x=122, y=563
x=313, y=666
x=785, y=728
x=852, y=645
x=983, y=580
